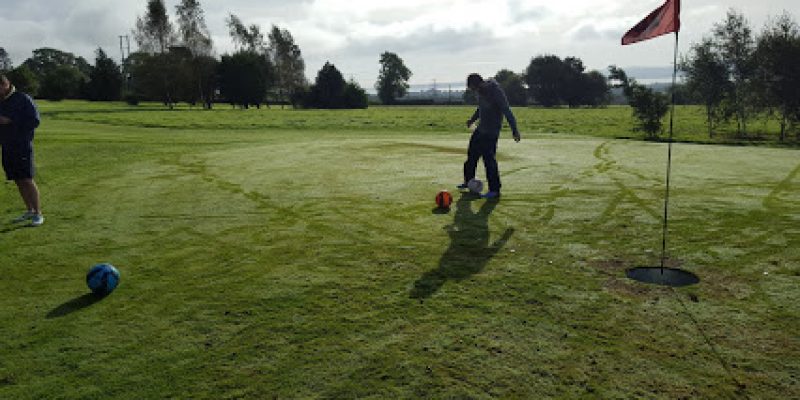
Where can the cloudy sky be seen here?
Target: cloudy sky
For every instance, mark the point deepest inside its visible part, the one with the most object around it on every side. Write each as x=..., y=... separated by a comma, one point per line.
x=441, y=40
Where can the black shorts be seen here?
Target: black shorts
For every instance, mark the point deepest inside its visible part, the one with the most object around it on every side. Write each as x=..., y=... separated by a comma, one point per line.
x=18, y=161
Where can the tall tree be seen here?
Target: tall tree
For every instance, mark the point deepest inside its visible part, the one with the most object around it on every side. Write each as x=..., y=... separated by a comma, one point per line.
x=245, y=38
x=552, y=81
x=194, y=33
x=392, y=78
x=734, y=40
x=201, y=68
x=331, y=91
x=595, y=91
x=154, y=32
x=5, y=60
x=149, y=77
x=778, y=56
x=179, y=64
x=250, y=42
x=105, y=79
x=245, y=78
x=165, y=77
x=288, y=62
x=49, y=65
x=328, y=89
x=355, y=96
x=63, y=82
x=543, y=77
x=707, y=79
x=45, y=60
x=205, y=69
x=514, y=86
x=161, y=74
x=571, y=81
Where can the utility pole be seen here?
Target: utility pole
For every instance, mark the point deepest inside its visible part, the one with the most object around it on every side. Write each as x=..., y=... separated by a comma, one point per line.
x=449, y=94
x=123, y=48
x=124, y=60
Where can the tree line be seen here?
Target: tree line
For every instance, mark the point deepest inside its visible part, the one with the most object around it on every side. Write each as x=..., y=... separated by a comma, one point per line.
x=739, y=76
x=736, y=75
x=175, y=62
x=177, y=65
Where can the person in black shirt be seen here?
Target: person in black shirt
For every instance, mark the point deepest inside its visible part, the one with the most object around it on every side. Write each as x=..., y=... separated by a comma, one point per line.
x=18, y=120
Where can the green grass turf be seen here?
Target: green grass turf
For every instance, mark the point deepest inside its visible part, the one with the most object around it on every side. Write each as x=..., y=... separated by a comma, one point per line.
x=260, y=260
x=612, y=122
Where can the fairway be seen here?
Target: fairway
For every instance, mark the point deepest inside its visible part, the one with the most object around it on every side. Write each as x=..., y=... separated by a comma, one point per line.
x=260, y=259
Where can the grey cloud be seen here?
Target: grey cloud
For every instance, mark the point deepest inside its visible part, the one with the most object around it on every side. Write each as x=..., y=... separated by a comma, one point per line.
x=94, y=27
x=427, y=40
x=397, y=14
x=446, y=55
x=78, y=27
x=590, y=33
x=265, y=13
x=518, y=14
x=17, y=37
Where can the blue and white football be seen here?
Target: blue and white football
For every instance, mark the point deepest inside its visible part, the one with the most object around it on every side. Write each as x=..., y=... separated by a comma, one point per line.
x=102, y=279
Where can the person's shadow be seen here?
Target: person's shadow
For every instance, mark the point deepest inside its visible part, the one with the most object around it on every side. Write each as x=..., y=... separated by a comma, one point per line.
x=469, y=249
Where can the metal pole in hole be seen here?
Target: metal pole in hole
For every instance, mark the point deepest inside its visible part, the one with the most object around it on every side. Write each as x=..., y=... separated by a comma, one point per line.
x=669, y=156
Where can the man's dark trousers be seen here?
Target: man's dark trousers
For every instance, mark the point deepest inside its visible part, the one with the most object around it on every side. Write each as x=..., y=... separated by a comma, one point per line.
x=483, y=145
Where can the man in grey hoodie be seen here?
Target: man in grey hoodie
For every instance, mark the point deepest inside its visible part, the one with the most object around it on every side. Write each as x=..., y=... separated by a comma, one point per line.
x=492, y=106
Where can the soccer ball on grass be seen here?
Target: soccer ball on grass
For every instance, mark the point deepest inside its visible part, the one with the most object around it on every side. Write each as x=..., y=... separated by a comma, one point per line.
x=475, y=185
x=102, y=279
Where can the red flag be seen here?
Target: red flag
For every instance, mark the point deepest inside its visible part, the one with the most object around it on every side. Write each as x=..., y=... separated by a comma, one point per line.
x=663, y=20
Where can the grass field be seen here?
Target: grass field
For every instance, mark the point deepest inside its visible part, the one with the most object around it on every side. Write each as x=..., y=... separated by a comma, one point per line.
x=283, y=254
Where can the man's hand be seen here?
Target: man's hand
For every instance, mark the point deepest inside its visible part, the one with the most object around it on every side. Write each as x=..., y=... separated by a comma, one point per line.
x=4, y=120
x=517, y=138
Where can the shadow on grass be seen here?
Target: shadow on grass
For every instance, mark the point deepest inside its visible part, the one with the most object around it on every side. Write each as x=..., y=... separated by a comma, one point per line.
x=740, y=386
x=76, y=304
x=15, y=227
x=469, y=249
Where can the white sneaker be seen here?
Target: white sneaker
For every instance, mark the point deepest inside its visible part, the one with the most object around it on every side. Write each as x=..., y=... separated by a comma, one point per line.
x=24, y=217
x=37, y=220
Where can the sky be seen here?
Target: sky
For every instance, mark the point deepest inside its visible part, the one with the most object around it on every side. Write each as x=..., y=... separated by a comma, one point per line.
x=439, y=40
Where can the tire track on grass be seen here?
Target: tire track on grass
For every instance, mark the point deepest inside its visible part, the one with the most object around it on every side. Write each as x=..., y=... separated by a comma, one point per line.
x=610, y=168
x=299, y=215
x=772, y=200
x=607, y=166
x=775, y=211
x=262, y=202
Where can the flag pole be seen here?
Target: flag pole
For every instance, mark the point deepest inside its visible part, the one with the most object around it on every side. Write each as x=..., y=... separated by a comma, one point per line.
x=669, y=155
x=656, y=24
